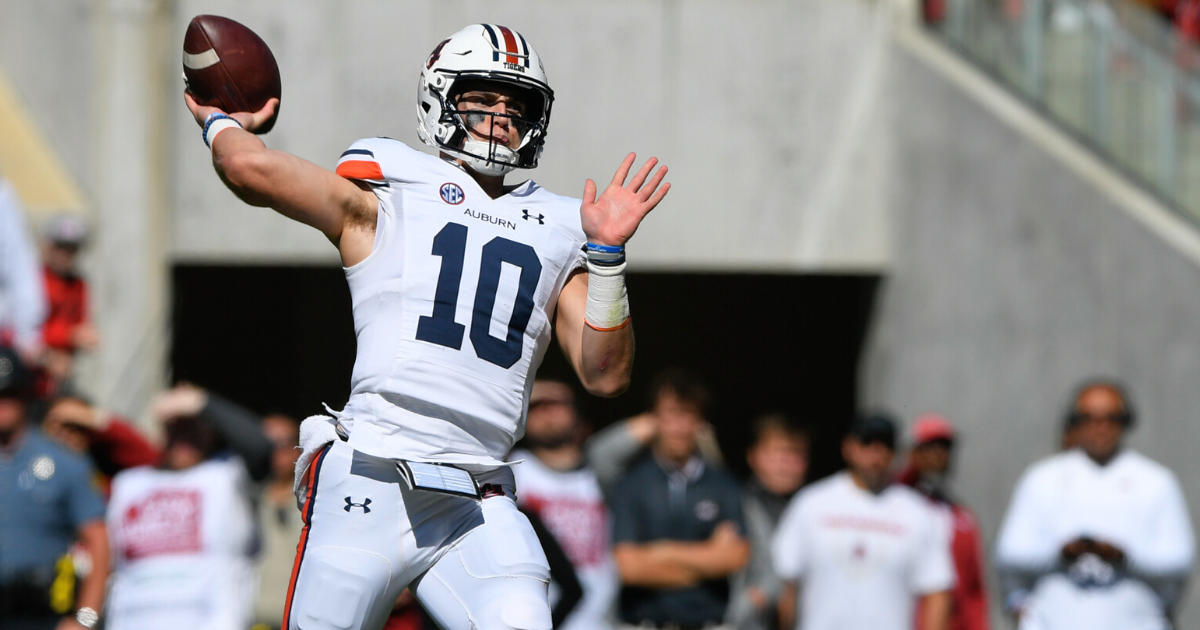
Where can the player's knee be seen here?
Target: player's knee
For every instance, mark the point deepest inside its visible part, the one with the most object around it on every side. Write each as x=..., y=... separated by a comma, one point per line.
x=339, y=589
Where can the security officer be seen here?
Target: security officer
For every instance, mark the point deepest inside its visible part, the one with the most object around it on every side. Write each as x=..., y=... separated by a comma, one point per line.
x=48, y=501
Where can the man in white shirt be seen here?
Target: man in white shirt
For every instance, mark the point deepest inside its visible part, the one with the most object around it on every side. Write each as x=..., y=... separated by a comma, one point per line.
x=1096, y=537
x=555, y=481
x=862, y=552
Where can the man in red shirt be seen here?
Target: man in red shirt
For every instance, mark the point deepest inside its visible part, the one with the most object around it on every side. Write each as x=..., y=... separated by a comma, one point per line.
x=68, y=328
x=927, y=472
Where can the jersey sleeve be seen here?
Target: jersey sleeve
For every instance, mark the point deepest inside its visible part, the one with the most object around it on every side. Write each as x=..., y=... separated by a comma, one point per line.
x=787, y=547
x=384, y=163
x=933, y=570
x=360, y=162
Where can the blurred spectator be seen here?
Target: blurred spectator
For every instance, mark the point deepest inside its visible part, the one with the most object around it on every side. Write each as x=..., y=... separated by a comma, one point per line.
x=933, y=11
x=279, y=519
x=111, y=442
x=863, y=550
x=1187, y=21
x=778, y=460
x=563, y=577
x=183, y=534
x=46, y=501
x=677, y=522
x=68, y=328
x=611, y=450
x=1070, y=433
x=557, y=484
x=22, y=296
x=928, y=472
x=1097, y=537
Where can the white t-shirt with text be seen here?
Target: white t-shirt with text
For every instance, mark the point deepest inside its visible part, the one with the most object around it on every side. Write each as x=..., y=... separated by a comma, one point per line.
x=861, y=559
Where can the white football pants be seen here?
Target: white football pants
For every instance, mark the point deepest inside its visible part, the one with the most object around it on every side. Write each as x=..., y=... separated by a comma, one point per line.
x=473, y=565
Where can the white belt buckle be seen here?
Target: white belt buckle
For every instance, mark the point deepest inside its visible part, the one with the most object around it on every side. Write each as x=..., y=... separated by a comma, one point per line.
x=438, y=478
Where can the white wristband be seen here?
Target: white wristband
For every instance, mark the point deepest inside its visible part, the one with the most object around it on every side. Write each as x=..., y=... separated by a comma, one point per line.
x=216, y=127
x=607, y=301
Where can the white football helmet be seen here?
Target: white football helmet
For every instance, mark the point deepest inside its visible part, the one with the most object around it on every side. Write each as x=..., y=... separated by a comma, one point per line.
x=483, y=52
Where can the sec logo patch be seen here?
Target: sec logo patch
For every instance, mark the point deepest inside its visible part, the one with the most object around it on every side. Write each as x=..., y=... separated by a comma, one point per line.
x=707, y=510
x=452, y=194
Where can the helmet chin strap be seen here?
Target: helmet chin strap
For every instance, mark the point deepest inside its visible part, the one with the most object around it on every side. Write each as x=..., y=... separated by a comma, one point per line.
x=503, y=159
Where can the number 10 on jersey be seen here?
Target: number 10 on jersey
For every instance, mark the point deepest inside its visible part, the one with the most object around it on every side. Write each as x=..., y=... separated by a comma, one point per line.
x=450, y=245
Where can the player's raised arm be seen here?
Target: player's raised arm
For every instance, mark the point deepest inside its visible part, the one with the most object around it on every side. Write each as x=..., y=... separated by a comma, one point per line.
x=592, y=321
x=294, y=187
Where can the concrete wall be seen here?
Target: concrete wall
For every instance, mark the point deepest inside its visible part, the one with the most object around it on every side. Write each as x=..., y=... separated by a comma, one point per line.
x=762, y=110
x=765, y=113
x=1012, y=279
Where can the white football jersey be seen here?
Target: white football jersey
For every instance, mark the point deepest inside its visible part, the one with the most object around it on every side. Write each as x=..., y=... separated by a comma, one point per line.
x=862, y=559
x=453, y=307
x=182, y=545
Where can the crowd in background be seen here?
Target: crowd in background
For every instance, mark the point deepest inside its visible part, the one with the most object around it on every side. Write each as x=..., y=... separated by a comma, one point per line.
x=1182, y=15
x=102, y=525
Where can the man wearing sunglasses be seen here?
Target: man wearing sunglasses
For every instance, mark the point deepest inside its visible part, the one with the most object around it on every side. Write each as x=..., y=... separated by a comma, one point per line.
x=1096, y=537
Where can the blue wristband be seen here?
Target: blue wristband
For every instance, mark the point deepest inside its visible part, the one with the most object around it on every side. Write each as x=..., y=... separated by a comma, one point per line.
x=605, y=255
x=209, y=120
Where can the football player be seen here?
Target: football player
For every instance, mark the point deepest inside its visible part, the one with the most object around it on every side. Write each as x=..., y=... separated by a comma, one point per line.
x=458, y=280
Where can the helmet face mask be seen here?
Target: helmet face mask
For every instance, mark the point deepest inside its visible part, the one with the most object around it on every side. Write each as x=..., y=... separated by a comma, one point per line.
x=490, y=59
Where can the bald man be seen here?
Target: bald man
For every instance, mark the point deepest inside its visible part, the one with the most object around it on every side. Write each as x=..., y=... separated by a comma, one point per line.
x=1097, y=537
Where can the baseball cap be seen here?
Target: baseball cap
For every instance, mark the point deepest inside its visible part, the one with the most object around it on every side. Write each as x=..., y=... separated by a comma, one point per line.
x=930, y=427
x=15, y=379
x=875, y=427
x=65, y=229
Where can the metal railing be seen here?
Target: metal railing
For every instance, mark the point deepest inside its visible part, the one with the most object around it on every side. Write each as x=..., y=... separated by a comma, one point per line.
x=1110, y=71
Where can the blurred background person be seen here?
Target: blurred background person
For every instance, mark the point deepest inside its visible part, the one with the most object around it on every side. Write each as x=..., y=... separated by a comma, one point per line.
x=47, y=501
x=22, y=296
x=678, y=530
x=279, y=521
x=778, y=460
x=557, y=484
x=612, y=450
x=1070, y=433
x=928, y=472
x=68, y=327
x=1099, y=536
x=858, y=552
x=111, y=442
x=183, y=533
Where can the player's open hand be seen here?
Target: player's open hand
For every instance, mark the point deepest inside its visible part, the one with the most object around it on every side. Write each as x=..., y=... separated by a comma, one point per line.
x=615, y=215
x=249, y=121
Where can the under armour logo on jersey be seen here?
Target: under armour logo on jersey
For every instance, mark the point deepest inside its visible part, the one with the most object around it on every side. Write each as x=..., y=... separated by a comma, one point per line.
x=525, y=215
x=452, y=193
x=363, y=505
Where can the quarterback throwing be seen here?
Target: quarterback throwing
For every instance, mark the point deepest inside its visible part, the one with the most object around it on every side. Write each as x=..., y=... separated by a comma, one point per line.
x=458, y=281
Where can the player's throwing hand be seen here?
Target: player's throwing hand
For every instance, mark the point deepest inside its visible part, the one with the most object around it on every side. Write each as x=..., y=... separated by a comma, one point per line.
x=614, y=217
x=250, y=121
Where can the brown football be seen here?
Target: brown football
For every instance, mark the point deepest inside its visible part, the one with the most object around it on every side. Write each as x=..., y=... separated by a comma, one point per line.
x=227, y=65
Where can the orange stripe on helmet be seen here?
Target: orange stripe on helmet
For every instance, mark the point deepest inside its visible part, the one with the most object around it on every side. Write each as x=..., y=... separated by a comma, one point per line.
x=510, y=44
